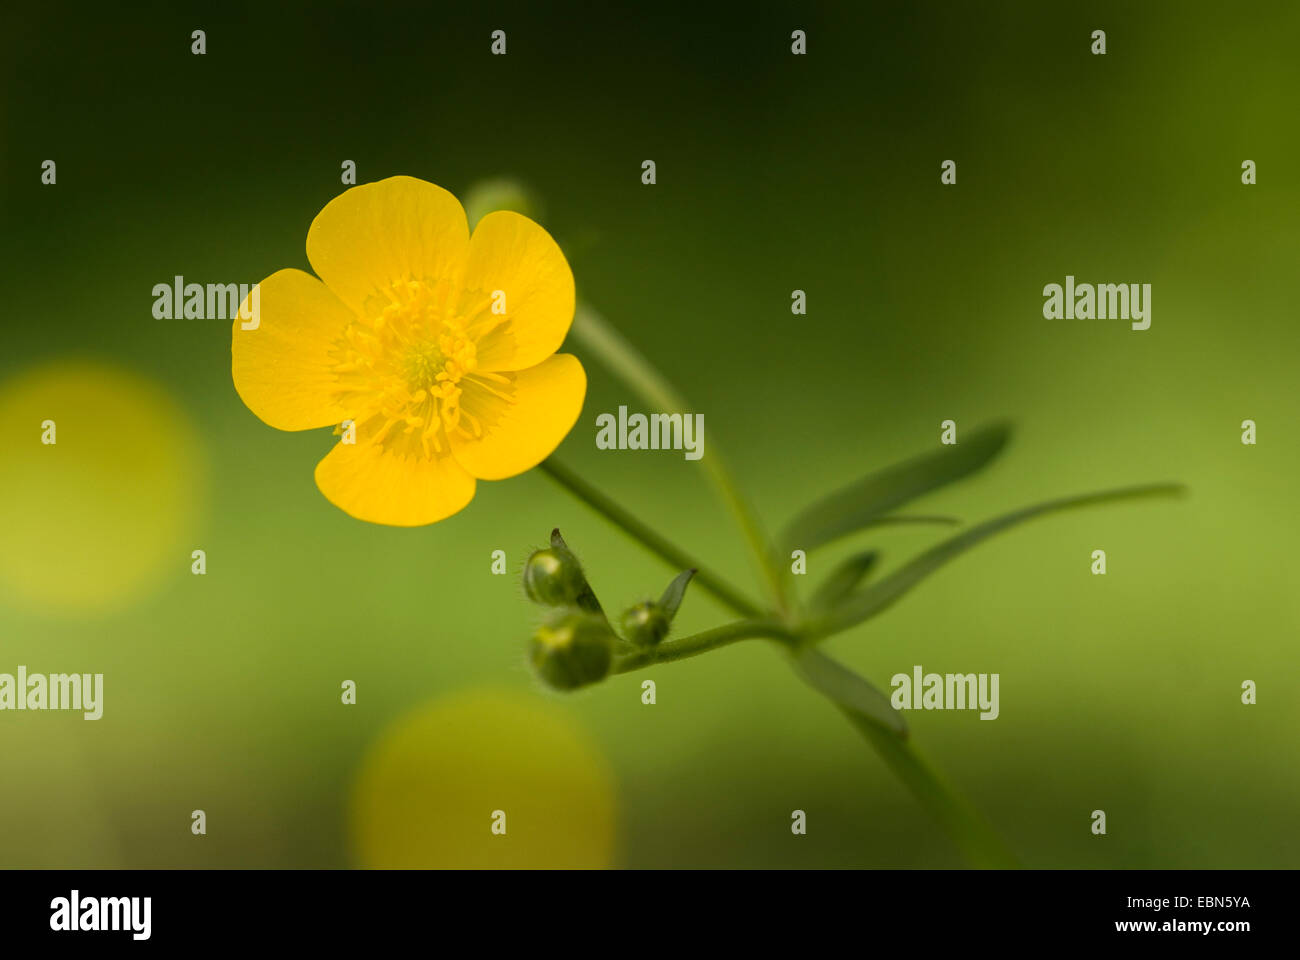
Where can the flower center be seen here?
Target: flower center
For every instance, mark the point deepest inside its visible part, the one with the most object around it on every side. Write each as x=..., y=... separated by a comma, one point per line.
x=406, y=365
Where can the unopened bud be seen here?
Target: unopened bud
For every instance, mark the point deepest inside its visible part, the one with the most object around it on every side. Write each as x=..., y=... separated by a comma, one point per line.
x=553, y=577
x=573, y=649
x=645, y=624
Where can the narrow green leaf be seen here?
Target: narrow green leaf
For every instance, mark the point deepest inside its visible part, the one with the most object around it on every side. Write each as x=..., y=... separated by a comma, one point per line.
x=858, y=504
x=843, y=580
x=672, y=598
x=867, y=603
x=850, y=692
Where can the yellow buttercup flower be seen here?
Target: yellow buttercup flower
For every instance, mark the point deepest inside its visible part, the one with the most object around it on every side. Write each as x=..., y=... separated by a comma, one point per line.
x=439, y=347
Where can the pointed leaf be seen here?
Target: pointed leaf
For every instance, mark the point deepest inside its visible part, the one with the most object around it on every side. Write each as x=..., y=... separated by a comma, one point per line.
x=843, y=580
x=860, y=503
x=850, y=692
x=672, y=598
x=871, y=601
x=586, y=598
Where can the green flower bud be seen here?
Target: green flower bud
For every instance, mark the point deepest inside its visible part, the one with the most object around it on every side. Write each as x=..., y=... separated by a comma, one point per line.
x=553, y=577
x=645, y=624
x=573, y=649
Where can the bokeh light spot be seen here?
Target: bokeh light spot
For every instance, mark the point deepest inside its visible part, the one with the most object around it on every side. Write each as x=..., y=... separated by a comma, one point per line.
x=96, y=518
x=428, y=788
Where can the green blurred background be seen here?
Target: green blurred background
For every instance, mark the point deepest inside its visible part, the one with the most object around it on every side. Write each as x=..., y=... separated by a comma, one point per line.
x=775, y=172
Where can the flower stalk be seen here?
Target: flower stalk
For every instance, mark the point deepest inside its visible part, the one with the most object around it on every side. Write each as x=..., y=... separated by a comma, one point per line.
x=705, y=641
x=647, y=536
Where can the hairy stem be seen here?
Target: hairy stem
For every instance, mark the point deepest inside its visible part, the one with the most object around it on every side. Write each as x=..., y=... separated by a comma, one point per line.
x=698, y=643
x=648, y=537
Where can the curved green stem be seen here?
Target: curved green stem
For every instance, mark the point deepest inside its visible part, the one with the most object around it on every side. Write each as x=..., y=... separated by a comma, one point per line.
x=974, y=836
x=628, y=362
x=677, y=558
x=703, y=642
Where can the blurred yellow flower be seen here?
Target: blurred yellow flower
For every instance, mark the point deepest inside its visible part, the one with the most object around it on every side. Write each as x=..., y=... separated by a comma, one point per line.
x=483, y=779
x=438, y=347
x=108, y=511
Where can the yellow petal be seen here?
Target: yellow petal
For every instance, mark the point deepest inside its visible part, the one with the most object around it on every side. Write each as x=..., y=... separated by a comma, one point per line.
x=510, y=253
x=522, y=431
x=284, y=369
x=379, y=234
x=381, y=486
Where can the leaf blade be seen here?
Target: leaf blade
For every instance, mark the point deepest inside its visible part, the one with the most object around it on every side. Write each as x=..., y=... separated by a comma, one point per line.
x=852, y=693
x=855, y=506
x=674, y=592
x=875, y=599
x=841, y=581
